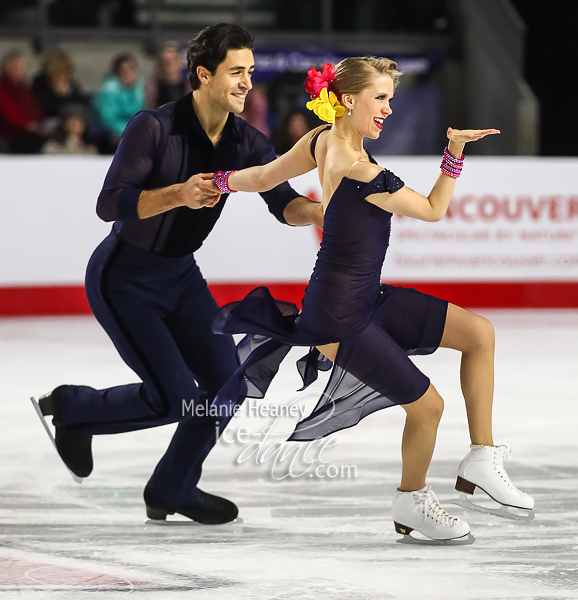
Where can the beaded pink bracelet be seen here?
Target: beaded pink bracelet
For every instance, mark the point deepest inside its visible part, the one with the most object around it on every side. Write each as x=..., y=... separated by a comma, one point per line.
x=451, y=165
x=221, y=179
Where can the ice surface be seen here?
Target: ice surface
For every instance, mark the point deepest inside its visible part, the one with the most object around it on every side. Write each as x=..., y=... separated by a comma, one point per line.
x=310, y=536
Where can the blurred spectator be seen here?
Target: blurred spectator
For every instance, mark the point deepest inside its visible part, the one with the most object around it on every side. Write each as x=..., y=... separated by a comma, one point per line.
x=55, y=87
x=169, y=83
x=256, y=111
x=70, y=136
x=293, y=127
x=120, y=97
x=21, y=118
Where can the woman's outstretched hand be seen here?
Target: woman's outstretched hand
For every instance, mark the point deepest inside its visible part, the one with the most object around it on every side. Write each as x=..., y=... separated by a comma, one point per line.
x=461, y=136
x=458, y=138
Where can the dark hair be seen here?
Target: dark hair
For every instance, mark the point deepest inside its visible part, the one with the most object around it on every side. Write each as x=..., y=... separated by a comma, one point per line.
x=71, y=111
x=280, y=137
x=209, y=49
x=122, y=58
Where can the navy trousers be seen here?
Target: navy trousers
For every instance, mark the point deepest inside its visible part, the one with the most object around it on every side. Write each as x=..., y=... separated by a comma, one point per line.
x=158, y=313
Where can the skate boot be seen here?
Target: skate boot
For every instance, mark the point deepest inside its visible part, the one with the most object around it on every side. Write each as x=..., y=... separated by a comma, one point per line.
x=73, y=447
x=483, y=468
x=206, y=508
x=421, y=511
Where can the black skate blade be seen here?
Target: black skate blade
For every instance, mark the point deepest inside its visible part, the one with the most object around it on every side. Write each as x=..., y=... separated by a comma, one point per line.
x=184, y=522
x=465, y=540
x=51, y=436
x=503, y=511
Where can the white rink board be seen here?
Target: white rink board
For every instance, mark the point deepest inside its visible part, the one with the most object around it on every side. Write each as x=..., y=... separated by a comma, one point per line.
x=511, y=219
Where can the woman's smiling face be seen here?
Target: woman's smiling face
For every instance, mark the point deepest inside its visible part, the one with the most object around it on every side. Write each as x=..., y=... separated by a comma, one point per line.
x=371, y=106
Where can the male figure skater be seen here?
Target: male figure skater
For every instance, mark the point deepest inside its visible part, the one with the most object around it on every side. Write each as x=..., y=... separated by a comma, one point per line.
x=143, y=283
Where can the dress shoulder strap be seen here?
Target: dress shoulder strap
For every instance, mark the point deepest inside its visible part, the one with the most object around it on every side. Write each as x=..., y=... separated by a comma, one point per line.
x=351, y=168
x=314, y=139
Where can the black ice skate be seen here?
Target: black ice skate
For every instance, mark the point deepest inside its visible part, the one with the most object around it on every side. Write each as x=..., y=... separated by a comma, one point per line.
x=74, y=448
x=207, y=509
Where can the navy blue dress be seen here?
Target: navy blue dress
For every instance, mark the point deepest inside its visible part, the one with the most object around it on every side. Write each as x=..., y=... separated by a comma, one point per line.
x=377, y=326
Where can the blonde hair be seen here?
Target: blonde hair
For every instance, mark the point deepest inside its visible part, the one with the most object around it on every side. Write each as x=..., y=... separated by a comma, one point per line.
x=57, y=62
x=354, y=74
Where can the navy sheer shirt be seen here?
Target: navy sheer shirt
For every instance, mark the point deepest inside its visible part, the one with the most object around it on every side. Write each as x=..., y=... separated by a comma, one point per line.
x=167, y=145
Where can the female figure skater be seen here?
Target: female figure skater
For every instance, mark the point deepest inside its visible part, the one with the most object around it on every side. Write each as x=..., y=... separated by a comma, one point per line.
x=365, y=328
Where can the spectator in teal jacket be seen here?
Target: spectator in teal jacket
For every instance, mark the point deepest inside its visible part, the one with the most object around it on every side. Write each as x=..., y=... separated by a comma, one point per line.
x=120, y=97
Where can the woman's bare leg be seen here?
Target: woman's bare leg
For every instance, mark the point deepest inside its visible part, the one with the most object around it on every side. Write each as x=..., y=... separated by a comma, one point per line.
x=419, y=434
x=329, y=350
x=474, y=337
x=419, y=438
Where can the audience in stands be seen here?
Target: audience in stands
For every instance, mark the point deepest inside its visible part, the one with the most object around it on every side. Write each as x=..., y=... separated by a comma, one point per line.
x=256, y=111
x=293, y=127
x=55, y=87
x=120, y=98
x=21, y=118
x=70, y=136
x=52, y=117
x=169, y=83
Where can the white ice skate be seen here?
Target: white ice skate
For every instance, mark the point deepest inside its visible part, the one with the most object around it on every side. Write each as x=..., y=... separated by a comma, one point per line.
x=421, y=511
x=51, y=436
x=483, y=468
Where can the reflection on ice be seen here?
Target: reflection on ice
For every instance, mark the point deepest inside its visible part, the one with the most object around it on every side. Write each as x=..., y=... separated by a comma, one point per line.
x=311, y=536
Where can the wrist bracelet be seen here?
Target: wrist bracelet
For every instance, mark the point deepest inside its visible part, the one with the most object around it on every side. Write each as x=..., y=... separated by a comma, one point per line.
x=221, y=179
x=451, y=165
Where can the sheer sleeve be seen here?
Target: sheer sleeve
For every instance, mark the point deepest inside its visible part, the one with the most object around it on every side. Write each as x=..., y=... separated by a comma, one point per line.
x=131, y=167
x=279, y=197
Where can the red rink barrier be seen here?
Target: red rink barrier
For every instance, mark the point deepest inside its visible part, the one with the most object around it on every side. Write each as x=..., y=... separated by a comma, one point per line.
x=43, y=301
x=467, y=294
x=71, y=300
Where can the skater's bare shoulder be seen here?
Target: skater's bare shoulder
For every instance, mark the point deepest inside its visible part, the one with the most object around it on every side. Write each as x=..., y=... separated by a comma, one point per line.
x=364, y=171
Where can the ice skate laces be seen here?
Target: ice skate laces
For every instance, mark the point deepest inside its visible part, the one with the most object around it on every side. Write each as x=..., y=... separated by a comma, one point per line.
x=501, y=452
x=429, y=504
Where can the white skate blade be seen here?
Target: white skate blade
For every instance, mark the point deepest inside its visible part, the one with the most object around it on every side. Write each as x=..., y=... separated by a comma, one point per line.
x=505, y=512
x=51, y=436
x=465, y=540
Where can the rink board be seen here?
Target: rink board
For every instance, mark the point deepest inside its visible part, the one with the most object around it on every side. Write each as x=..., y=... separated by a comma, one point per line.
x=508, y=240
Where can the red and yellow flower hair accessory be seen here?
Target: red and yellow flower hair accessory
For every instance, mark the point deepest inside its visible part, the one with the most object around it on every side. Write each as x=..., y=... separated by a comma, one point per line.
x=324, y=102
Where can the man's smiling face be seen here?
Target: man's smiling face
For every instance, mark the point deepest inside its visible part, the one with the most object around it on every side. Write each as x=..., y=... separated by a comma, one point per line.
x=229, y=86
